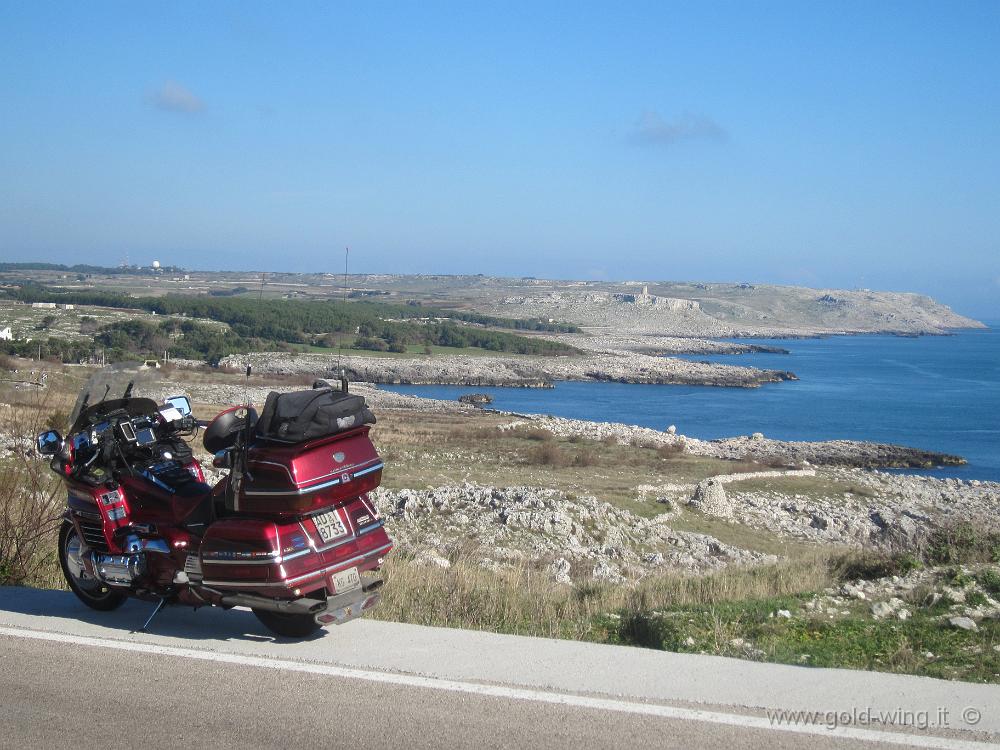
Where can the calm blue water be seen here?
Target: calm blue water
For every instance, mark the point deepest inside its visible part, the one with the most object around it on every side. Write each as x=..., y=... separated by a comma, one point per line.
x=939, y=393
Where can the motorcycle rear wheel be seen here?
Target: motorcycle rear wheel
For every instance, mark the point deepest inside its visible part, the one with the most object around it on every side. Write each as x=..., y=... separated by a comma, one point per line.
x=288, y=625
x=88, y=590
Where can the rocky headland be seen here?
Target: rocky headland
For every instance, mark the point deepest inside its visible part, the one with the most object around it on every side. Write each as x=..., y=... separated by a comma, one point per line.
x=852, y=453
x=525, y=372
x=724, y=310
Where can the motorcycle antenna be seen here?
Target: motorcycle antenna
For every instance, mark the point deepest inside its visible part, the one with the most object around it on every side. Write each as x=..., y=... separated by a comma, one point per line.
x=246, y=382
x=340, y=338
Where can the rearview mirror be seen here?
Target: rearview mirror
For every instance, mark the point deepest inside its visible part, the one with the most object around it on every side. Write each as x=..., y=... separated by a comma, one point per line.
x=49, y=443
x=181, y=403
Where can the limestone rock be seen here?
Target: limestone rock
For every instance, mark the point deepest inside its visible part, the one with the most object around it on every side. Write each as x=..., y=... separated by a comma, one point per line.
x=710, y=498
x=560, y=570
x=881, y=610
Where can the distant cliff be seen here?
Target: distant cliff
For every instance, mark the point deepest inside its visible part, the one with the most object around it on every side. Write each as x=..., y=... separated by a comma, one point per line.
x=735, y=310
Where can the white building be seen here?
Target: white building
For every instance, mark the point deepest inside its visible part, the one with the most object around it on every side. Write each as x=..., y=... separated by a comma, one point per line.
x=44, y=305
x=6, y=335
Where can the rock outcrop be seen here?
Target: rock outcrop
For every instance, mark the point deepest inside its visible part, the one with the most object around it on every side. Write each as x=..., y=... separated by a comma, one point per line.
x=524, y=372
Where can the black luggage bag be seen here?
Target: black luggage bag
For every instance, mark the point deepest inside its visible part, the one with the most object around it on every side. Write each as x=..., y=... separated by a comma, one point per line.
x=305, y=415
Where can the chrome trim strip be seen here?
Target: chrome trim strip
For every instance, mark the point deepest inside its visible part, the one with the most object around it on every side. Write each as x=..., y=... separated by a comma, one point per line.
x=305, y=491
x=291, y=582
x=314, y=488
x=341, y=564
x=274, y=561
x=369, y=470
x=271, y=554
x=348, y=468
x=257, y=462
x=247, y=584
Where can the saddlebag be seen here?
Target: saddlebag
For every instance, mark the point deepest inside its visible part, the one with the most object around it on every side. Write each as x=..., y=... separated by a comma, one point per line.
x=289, y=557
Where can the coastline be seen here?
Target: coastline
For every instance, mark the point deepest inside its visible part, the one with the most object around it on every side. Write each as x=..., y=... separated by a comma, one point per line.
x=597, y=365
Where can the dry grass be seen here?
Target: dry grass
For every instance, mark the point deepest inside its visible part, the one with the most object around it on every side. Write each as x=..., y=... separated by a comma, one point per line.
x=525, y=601
x=811, y=487
x=237, y=376
x=31, y=501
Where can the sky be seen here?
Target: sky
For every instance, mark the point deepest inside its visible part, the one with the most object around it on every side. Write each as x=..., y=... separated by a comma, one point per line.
x=839, y=144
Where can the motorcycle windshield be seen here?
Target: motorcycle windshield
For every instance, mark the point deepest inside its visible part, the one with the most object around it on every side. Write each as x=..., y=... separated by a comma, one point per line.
x=106, y=389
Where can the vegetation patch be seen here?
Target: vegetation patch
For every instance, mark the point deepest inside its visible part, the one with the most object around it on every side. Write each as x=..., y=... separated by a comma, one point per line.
x=922, y=644
x=370, y=325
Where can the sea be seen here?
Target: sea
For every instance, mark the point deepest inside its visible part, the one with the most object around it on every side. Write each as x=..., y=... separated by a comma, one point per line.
x=939, y=393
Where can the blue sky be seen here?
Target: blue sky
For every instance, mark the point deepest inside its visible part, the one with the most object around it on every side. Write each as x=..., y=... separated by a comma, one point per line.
x=825, y=144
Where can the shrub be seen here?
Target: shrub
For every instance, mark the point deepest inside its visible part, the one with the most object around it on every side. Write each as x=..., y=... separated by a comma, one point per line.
x=370, y=344
x=535, y=433
x=957, y=578
x=58, y=420
x=548, y=454
x=962, y=542
x=869, y=565
x=31, y=504
x=975, y=599
x=670, y=450
x=989, y=579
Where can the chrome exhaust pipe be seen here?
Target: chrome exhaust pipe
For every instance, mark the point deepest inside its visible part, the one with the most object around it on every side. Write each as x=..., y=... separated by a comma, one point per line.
x=285, y=606
x=302, y=606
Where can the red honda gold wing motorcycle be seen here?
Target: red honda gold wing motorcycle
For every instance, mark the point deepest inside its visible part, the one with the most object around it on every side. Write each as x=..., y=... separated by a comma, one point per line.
x=289, y=533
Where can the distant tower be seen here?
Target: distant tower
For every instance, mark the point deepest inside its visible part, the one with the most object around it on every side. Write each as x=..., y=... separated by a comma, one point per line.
x=156, y=265
x=645, y=290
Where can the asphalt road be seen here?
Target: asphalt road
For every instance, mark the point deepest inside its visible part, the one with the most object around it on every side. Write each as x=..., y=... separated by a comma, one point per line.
x=213, y=678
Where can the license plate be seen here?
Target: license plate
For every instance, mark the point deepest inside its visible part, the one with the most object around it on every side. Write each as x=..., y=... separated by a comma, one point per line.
x=346, y=580
x=329, y=525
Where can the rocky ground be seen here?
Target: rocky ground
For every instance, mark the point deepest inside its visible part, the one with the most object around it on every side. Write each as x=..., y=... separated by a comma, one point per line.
x=530, y=372
x=234, y=393
x=659, y=345
x=967, y=591
x=576, y=537
x=877, y=509
x=853, y=453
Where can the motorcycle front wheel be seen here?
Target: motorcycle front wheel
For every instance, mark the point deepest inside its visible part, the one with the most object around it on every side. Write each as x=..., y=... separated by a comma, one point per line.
x=88, y=589
x=288, y=625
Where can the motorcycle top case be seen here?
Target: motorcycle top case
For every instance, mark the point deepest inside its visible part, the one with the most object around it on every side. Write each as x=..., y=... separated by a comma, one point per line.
x=295, y=479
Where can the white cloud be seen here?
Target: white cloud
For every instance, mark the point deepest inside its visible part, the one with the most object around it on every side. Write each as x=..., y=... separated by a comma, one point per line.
x=173, y=97
x=652, y=130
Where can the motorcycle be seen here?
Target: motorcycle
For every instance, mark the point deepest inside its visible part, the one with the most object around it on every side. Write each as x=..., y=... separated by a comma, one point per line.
x=289, y=532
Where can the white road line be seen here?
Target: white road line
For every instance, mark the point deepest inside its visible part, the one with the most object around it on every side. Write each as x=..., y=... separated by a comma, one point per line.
x=497, y=691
